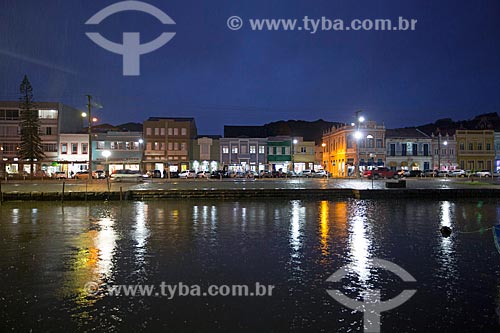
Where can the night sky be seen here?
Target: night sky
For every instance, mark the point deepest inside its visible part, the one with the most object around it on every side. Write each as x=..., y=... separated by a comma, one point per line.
x=448, y=67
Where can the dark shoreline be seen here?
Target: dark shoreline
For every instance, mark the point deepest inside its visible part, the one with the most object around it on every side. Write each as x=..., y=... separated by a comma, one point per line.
x=136, y=195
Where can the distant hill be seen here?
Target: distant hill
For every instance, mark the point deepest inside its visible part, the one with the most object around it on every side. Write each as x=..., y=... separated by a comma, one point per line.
x=309, y=130
x=447, y=125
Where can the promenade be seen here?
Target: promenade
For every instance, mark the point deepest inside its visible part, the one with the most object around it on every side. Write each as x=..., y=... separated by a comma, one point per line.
x=299, y=188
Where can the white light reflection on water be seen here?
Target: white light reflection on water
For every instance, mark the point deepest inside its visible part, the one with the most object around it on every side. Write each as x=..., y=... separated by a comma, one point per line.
x=15, y=215
x=141, y=232
x=447, y=258
x=106, y=244
x=359, y=245
x=296, y=230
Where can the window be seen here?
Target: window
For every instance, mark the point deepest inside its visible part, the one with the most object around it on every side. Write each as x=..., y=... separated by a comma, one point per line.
x=451, y=151
x=64, y=148
x=48, y=130
x=379, y=143
x=426, y=149
x=414, y=149
x=183, y=131
x=176, y=145
x=162, y=131
x=488, y=146
x=244, y=149
x=100, y=144
x=262, y=149
x=479, y=146
x=462, y=146
x=85, y=148
x=275, y=151
x=471, y=147
x=283, y=150
x=169, y=131
x=393, y=149
x=157, y=131
x=252, y=149
x=49, y=147
x=370, y=142
x=183, y=146
x=47, y=114
x=9, y=114
x=148, y=131
x=443, y=151
x=225, y=149
x=74, y=148
x=234, y=150
x=204, y=149
x=303, y=149
x=403, y=149
x=170, y=146
x=176, y=131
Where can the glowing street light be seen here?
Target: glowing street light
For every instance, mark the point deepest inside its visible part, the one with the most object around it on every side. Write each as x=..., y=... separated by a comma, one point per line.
x=361, y=119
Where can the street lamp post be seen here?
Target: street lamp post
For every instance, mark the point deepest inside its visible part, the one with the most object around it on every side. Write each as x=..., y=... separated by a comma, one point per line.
x=357, y=136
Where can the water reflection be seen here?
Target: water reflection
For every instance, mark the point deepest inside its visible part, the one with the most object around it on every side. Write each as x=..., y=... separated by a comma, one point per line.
x=324, y=207
x=359, y=243
x=447, y=258
x=141, y=233
x=298, y=217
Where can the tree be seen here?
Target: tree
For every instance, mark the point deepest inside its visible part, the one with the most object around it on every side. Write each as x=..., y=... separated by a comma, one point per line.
x=31, y=144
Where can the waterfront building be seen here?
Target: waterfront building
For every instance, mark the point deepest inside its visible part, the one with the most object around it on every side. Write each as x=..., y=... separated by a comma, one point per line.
x=206, y=153
x=117, y=150
x=348, y=146
x=497, y=152
x=279, y=153
x=243, y=154
x=476, y=150
x=73, y=153
x=408, y=149
x=444, y=151
x=303, y=154
x=168, y=143
x=55, y=118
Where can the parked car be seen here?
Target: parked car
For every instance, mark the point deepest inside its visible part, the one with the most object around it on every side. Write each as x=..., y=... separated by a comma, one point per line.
x=322, y=174
x=265, y=174
x=120, y=175
x=59, y=175
x=187, y=174
x=457, y=173
x=430, y=173
x=82, y=175
x=380, y=172
x=307, y=173
x=483, y=173
x=202, y=174
x=442, y=173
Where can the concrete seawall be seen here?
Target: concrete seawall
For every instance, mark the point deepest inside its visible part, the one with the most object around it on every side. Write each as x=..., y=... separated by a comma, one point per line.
x=441, y=194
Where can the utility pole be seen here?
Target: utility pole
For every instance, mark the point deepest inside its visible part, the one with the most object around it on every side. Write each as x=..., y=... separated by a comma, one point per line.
x=89, y=106
x=357, y=164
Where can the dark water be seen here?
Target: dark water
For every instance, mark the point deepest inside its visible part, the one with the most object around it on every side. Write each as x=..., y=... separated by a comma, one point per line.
x=49, y=252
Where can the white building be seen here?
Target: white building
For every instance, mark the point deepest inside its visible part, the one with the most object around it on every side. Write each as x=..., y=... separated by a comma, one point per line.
x=408, y=149
x=73, y=152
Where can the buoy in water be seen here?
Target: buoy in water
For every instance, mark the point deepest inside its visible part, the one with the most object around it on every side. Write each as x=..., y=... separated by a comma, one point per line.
x=445, y=231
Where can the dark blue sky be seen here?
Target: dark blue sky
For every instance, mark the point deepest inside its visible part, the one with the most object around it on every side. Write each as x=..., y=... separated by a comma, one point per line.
x=448, y=67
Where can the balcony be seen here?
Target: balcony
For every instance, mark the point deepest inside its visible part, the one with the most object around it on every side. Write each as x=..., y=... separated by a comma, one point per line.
x=154, y=152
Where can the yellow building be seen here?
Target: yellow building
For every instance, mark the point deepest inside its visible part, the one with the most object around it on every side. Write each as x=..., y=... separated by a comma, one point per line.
x=343, y=151
x=476, y=150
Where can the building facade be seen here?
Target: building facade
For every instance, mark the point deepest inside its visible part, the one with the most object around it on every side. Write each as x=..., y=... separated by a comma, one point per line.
x=279, y=153
x=408, y=149
x=303, y=154
x=73, y=153
x=206, y=153
x=476, y=150
x=444, y=152
x=124, y=150
x=168, y=143
x=54, y=118
x=243, y=154
x=350, y=147
x=497, y=152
